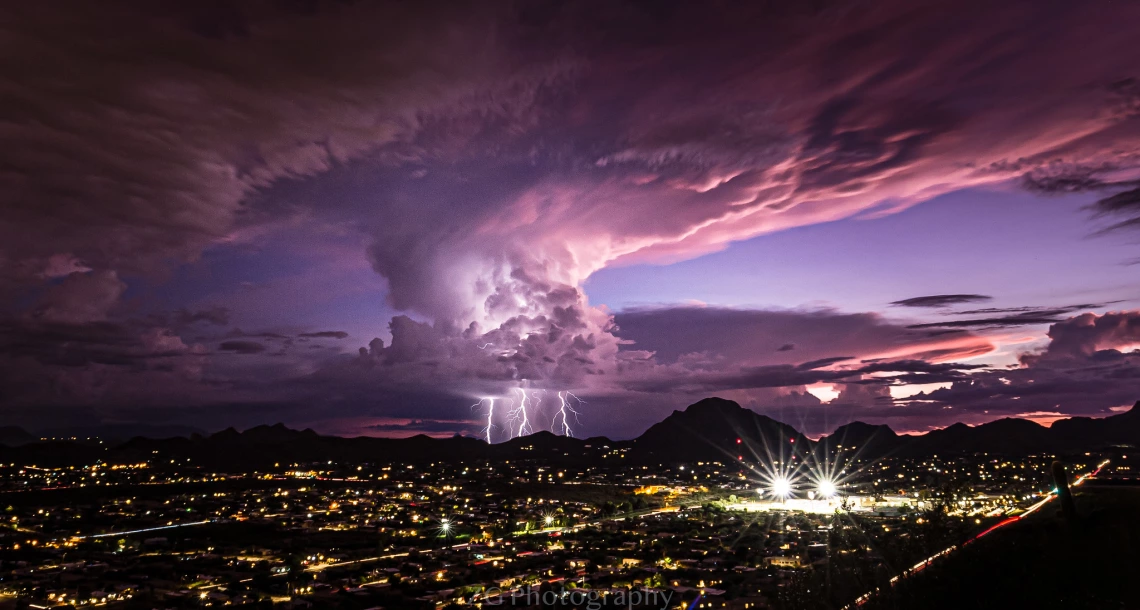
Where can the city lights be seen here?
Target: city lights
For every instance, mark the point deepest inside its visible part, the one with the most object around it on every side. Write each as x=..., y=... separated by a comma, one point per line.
x=503, y=535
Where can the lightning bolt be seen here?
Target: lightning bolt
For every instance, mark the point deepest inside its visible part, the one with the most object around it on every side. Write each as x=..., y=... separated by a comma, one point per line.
x=525, y=404
x=520, y=415
x=490, y=414
x=537, y=396
x=564, y=409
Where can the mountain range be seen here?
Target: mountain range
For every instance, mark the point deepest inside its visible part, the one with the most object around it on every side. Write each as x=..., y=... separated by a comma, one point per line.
x=711, y=429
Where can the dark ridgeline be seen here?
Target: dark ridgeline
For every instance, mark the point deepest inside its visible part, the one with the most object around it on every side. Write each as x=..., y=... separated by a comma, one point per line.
x=712, y=429
x=709, y=429
x=14, y=436
x=869, y=439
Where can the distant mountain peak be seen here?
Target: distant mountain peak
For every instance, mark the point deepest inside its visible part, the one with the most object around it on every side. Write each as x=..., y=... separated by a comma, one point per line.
x=278, y=432
x=868, y=439
x=542, y=435
x=1013, y=422
x=713, y=404
x=14, y=436
x=1130, y=414
x=862, y=426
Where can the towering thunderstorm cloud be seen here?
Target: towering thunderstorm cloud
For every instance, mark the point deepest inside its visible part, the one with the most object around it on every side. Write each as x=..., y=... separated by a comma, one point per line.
x=482, y=163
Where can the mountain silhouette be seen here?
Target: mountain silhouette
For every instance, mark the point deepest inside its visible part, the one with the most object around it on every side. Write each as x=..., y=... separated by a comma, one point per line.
x=858, y=438
x=713, y=429
x=14, y=436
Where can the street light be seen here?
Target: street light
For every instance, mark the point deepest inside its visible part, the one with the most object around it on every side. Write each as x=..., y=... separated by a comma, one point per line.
x=827, y=488
x=781, y=488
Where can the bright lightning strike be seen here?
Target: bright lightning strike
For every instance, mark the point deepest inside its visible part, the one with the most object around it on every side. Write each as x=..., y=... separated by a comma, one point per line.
x=564, y=409
x=525, y=408
x=490, y=416
x=537, y=395
x=519, y=414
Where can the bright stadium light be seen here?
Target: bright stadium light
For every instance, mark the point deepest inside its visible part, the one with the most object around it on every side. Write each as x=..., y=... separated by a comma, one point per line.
x=827, y=489
x=781, y=488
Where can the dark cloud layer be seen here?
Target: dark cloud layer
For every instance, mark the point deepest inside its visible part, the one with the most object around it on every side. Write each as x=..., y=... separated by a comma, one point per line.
x=994, y=317
x=242, y=347
x=942, y=300
x=758, y=337
x=1121, y=205
x=325, y=334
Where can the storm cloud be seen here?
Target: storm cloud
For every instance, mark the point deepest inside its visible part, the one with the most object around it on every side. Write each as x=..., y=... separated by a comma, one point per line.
x=942, y=300
x=485, y=160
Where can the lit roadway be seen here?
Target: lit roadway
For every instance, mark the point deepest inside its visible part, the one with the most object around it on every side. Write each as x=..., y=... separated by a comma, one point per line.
x=320, y=567
x=920, y=566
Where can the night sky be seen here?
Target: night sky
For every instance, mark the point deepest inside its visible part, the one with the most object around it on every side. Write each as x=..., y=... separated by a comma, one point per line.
x=372, y=218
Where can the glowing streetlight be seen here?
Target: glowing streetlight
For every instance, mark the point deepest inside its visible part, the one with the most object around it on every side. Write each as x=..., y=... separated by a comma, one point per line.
x=548, y=519
x=827, y=489
x=781, y=488
x=445, y=526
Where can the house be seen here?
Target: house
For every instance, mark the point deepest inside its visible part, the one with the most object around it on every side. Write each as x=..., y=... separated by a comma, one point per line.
x=783, y=561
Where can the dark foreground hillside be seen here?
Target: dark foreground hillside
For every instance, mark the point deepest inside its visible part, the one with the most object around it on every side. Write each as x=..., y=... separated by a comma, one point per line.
x=1040, y=563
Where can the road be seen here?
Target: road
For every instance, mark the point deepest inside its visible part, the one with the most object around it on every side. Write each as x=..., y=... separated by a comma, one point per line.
x=553, y=530
x=918, y=567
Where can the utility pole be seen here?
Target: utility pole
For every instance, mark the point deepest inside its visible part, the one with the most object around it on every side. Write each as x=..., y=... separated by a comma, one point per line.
x=1061, y=480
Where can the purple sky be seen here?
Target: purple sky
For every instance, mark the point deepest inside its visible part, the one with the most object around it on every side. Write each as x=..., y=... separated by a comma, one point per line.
x=391, y=219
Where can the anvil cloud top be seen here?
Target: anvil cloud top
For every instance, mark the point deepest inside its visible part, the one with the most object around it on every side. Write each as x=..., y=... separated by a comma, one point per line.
x=365, y=217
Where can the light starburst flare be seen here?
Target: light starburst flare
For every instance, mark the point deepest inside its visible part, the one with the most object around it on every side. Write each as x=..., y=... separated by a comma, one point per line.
x=827, y=488
x=782, y=488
